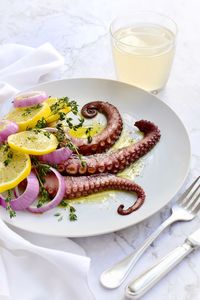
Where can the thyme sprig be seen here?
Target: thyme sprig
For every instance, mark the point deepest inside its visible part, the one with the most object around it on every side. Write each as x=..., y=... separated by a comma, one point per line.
x=29, y=110
x=59, y=216
x=63, y=103
x=41, y=171
x=88, y=133
x=66, y=142
x=42, y=123
x=72, y=211
x=9, y=155
x=72, y=215
x=44, y=196
x=68, y=120
x=12, y=213
x=38, y=130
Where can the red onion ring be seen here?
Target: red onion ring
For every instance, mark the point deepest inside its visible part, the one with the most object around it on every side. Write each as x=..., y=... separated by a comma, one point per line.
x=29, y=98
x=56, y=200
x=16, y=192
x=9, y=127
x=27, y=198
x=56, y=156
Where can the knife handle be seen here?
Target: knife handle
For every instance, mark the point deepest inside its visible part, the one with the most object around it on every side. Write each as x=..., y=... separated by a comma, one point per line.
x=149, y=278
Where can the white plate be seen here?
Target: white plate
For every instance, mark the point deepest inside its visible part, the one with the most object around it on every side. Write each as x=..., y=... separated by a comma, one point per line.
x=162, y=176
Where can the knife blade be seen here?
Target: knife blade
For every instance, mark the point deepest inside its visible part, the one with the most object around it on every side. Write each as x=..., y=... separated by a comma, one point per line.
x=149, y=278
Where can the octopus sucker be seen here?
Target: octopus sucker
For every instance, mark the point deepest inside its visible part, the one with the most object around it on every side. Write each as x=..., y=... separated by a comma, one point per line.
x=117, y=160
x=108, y=136
x=86, y=185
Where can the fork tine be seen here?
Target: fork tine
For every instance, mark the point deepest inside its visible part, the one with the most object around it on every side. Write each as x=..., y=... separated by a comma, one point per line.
x=193, y=202
x=186, y=196
x=190, y=199
x=196, y=210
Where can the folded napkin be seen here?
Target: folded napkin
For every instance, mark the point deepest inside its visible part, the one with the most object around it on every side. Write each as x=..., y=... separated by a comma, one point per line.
x=22, y=67
x=36, y=267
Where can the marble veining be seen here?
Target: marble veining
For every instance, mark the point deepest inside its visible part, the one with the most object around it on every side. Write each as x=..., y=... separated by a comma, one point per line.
x=80, y=31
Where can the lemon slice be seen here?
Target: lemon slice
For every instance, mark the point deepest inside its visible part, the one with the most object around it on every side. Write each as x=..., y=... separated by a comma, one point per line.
x=27, y=117
x=60, y=107
x=15, y=166
x=36, y=142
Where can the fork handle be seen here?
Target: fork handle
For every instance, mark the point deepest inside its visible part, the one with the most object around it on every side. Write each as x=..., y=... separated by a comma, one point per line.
x=115, y=276
x=149, y=278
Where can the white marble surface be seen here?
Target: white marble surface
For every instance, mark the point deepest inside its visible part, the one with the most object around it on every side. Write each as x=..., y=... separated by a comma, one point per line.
x=79, y=30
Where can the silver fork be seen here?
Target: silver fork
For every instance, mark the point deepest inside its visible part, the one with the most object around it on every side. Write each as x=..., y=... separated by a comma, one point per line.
x=185, y=209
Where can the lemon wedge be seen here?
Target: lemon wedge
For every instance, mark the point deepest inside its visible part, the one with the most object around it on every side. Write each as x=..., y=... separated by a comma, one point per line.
x=27, y=117
x=15, y=166
x=36, y=142
x=59, y=107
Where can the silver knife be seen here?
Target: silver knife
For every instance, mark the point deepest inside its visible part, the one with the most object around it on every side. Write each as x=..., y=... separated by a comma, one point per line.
x=149, y=278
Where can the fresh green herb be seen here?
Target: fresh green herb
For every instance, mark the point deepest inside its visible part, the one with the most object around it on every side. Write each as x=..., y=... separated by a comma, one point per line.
x=60, y=217
x=72, y=126
x=63, y=203
x=60, y=134
x=31, y=138
x=6, y=147
x=36, y=130
x=30, y=109
x=62, y=115
x=74, y=107
x=47, y=134
x=41, y=171
x=71, y=146
x=44, y=196
x=72, y=215
x=72, y=210
x=57, y=215
x=83, y=162
x=65, y=142
x=9, y=155
x=61, y=103
x=88, y=133
x=12, y=213
x=68, y=120
x=42, y=123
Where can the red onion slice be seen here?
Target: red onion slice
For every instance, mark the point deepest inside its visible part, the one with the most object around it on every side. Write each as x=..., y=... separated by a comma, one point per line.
x=7, y=127
x=16, y=192
x=56, y=156
x=56, y=200
x=29, y=98
x=27, y=198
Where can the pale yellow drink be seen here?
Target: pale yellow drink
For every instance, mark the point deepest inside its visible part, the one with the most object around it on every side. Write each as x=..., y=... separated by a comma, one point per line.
x=143, y=55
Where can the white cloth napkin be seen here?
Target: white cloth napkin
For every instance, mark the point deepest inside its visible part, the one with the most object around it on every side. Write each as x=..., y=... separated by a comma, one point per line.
x=22, y=67
x=36, y=267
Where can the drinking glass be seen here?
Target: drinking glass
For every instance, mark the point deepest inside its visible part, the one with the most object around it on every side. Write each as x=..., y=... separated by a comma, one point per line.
x=143, y=46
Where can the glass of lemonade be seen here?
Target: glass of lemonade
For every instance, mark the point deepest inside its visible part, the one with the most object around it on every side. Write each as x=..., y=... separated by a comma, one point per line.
x=143, y=45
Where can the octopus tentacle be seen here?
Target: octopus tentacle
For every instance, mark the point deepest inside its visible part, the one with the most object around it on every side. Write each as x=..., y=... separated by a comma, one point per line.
x=86, y=185
x=110, y=134
x=117, y=160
